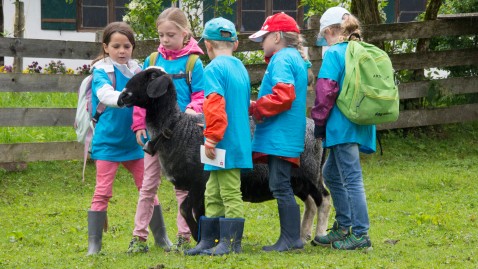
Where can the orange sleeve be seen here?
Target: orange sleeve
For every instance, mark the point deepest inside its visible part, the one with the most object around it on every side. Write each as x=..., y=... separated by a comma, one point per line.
x=277, y=102
x=214, y=109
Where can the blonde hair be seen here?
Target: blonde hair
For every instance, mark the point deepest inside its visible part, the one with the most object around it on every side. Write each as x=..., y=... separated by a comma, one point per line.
x=178, y=18
x=349, y=29
x=216, y=44
x=296, y=40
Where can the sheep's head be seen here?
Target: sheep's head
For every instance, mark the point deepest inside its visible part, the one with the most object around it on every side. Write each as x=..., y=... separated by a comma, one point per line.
x=149, y=84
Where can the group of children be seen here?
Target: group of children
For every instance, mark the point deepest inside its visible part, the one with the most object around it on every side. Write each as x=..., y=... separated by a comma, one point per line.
x=221, y=91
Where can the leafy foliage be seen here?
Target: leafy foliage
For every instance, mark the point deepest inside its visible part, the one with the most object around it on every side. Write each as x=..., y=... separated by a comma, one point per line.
x=142, y=15
x=317, y=7
x=461, y=42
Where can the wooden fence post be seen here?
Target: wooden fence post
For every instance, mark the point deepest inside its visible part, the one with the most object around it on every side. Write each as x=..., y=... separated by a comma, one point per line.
x=2, y=59
x=19, y=28
x=315, y=54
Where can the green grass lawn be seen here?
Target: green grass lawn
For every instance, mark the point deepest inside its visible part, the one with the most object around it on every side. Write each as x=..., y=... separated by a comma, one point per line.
x=422, y=198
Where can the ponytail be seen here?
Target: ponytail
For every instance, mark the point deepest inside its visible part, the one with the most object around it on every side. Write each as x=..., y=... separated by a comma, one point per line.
x=296, y=40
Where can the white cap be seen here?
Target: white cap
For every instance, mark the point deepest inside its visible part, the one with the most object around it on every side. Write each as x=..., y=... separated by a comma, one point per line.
x=331, y=16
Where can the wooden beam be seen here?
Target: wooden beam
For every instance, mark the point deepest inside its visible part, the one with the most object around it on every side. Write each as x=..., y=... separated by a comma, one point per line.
x=431, y=59
x=51, y=151
x=42, y=48
x=420, y=89
x=426, y=117
x=13, y=47
x=13, y=82
x=37, y=116
x=30, y=152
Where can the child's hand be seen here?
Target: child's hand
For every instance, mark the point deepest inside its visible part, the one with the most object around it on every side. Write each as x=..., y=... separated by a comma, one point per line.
x=141, y=136
x=190, y=111
x=254, y=112
x=252, y=106
x=319, y=132
x=210, y=148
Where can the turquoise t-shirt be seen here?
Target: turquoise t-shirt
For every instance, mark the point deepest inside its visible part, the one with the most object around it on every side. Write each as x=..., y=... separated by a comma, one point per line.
x=113, y=139
x=227, y=76
x=178, y=66
x=283, y=134
x=339, y=129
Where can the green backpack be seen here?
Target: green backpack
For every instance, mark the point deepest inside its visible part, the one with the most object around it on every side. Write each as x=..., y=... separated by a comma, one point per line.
x=369, y=94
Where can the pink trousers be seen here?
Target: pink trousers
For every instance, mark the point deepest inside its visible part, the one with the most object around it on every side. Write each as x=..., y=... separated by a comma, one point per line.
x=144, y=210
x=105, y=176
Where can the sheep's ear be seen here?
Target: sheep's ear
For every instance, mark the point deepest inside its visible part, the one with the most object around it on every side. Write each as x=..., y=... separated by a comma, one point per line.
x=158, y=86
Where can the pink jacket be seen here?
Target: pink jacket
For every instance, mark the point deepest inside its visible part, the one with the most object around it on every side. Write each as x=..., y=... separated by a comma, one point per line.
x=197, y=98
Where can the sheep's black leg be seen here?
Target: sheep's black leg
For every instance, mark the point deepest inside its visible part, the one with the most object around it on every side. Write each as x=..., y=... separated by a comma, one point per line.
x=187, y=213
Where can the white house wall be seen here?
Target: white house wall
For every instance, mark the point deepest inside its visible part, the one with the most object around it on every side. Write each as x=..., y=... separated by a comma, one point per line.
x=33, y=30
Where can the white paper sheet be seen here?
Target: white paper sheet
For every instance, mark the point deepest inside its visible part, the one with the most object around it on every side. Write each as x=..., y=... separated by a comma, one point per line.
x=220, y=160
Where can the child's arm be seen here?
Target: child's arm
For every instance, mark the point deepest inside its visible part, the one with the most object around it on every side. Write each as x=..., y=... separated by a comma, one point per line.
x=139, y=124
x=326, y=92
x=197, y=84
x=275, y=103
x=197, y=102
x=216, y=122
x=105, y=92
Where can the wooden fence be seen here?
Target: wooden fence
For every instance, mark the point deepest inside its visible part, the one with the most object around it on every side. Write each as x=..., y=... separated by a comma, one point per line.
x=13, y=154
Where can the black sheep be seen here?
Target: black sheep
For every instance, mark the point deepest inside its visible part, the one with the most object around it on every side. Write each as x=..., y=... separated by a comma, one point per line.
x=177, y=137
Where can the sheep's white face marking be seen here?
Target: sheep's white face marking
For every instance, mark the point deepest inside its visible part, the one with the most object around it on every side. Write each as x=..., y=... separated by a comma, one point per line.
x=157, y=68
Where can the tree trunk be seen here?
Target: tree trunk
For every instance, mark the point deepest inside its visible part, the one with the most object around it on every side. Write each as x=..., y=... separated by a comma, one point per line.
x=366, y=11
x=431, y=13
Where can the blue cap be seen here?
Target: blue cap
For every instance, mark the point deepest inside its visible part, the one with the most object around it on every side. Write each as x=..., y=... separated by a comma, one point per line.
x=214, y=27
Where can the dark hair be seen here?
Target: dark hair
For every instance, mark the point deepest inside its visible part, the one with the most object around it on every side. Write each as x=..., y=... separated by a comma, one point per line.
x=115, y=27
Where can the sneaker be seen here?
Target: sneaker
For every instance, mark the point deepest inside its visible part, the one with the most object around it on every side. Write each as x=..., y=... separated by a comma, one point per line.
x=335, y=234
x=352, y=242
x=182, y=244
x=137, y=246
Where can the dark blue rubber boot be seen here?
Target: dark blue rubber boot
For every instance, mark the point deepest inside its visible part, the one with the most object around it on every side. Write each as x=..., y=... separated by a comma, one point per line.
x=289, y=216
x=208, y=234
x=231, y=237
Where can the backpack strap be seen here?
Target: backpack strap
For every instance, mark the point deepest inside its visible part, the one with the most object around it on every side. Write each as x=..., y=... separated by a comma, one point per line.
x=356, y=35
x=189, y=69
x=152, y=58
x=100, y=108
x=192, y=58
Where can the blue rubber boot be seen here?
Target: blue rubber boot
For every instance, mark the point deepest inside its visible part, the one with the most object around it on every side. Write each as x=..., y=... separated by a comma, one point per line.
x=289, y=216
x=208, y=234
x=231, y=237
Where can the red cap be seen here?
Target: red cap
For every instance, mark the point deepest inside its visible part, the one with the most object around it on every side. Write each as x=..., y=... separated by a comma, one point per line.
x=279, y=22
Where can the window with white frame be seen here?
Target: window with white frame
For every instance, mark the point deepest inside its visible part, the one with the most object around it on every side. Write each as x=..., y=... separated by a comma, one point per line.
x=252, y=13
x=96, y=14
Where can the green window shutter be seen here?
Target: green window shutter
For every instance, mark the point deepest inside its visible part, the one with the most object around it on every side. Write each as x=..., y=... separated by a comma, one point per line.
x=208, y=13
x=390, y=11
x=58, y=15
x=166, y=3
